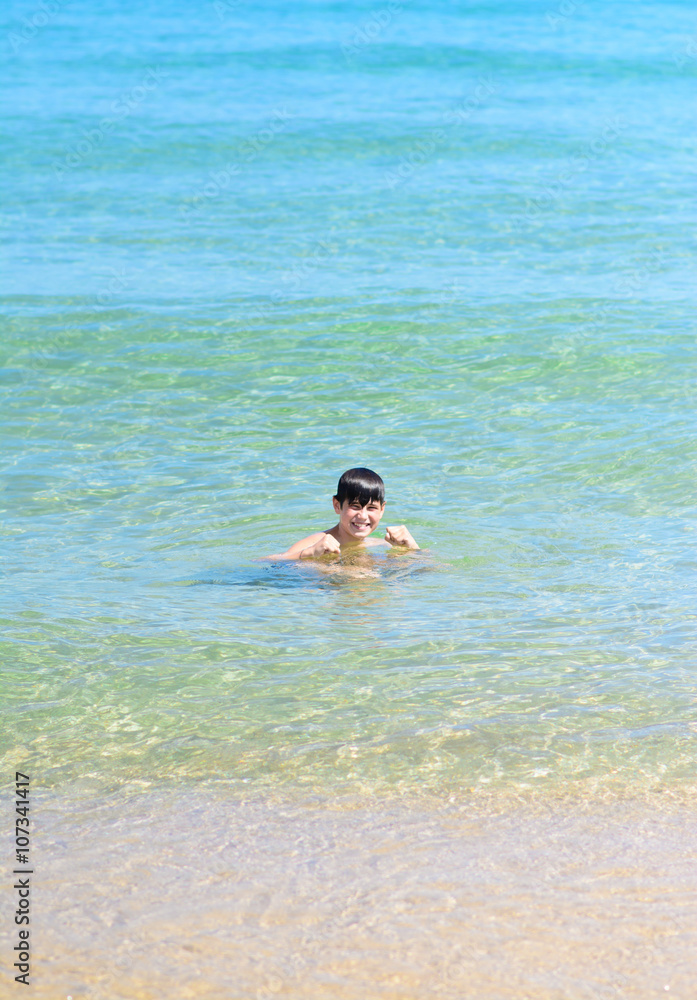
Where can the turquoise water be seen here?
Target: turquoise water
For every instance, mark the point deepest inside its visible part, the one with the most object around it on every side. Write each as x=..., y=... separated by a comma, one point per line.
x=250, y=246
x=546, y=632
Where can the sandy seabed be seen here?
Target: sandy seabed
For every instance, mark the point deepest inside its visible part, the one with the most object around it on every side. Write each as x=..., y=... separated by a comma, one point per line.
x=212, y=895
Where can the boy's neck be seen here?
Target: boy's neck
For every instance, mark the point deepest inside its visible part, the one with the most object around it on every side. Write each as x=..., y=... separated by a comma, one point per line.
x=343, y=537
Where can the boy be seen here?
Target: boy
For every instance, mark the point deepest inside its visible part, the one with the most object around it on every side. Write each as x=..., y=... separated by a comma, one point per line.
x=359, y=504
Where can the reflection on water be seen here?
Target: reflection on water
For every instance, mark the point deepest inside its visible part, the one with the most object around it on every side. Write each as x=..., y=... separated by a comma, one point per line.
x=352, y=565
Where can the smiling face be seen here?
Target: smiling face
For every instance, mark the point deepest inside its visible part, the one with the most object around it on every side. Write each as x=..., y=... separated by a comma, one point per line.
x=356, y=520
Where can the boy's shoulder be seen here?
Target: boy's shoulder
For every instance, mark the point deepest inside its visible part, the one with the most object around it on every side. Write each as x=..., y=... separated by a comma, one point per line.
x=294, y=551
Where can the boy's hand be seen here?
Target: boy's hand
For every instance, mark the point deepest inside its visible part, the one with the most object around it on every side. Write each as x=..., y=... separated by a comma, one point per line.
x=326, y=544
x=400, y=535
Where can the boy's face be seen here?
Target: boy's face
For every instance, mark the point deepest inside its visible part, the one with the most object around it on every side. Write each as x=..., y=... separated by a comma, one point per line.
x=358, y=520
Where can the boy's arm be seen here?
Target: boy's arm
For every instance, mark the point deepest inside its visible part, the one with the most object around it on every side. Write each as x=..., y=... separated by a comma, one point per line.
x=316, y=544
x=400, y=537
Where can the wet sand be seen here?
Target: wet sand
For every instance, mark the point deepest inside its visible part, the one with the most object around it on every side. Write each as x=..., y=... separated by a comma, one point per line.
x=213, y=896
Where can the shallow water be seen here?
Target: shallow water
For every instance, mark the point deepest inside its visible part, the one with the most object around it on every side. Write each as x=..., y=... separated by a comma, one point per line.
x=457, y=250
x=350, y=898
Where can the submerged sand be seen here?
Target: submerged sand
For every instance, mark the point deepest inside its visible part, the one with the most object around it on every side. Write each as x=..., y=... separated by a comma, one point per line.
x=211, y=895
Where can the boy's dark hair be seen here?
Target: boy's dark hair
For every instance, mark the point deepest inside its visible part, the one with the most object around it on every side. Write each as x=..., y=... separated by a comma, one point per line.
x=363, y=485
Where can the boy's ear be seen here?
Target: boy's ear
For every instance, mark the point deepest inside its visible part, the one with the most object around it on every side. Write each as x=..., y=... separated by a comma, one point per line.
x=337, y=505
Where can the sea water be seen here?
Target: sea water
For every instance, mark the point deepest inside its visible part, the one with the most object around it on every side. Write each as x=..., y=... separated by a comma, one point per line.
x=248, y=247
